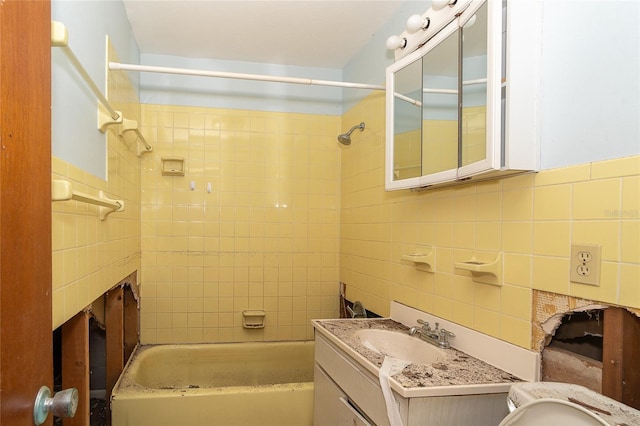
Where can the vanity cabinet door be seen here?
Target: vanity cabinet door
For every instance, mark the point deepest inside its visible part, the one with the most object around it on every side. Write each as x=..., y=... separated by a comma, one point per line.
x=326, y=399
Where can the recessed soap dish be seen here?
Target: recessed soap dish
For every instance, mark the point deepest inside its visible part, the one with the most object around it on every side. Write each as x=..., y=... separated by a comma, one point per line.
x=172, y=166
x=487, y=272
x=253, y=319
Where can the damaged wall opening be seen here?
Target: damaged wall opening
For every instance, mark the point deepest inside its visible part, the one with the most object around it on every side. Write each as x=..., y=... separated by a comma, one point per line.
x=588, y=343
x=91, y=349
x=574, y=354
x=581, y=333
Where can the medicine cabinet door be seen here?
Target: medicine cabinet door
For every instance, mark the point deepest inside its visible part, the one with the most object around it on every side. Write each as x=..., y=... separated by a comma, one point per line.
x=440, y=126
x=406, y=149
x=422, y=114
x=481, y=138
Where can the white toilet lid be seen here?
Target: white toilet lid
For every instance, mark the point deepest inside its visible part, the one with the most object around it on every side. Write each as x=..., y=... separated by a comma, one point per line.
x=549, y=411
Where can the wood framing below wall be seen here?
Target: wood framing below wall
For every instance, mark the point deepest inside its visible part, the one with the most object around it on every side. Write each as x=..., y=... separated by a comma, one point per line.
x=621, y=351
x=618, y=372
x=121, y=325
x=75, y=365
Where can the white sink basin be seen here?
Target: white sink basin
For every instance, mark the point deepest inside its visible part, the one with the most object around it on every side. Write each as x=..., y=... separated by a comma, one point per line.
x=400, y=346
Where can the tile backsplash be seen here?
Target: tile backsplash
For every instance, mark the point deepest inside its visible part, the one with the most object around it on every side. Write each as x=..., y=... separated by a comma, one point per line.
x=532, y=219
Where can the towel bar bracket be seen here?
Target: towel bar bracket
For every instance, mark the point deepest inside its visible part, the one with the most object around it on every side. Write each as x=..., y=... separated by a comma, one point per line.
x=132, y=126
x=105, y=211
x=61, y=191
x=105, y=119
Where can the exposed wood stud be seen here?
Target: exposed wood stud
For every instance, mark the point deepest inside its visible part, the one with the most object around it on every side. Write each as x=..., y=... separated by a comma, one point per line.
x=75, y=365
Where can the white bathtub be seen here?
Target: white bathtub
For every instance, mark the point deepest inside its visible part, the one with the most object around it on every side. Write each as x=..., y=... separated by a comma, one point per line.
x=216, y=384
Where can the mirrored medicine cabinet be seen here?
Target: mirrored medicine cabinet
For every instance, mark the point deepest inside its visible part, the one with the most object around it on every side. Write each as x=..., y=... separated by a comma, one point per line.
x=445, y=105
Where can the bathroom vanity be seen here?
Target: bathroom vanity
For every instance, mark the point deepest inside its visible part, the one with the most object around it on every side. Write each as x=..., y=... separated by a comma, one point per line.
x=451, y=388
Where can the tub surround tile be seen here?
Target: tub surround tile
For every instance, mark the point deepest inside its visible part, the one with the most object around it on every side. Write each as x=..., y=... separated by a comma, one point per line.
x=270, y=222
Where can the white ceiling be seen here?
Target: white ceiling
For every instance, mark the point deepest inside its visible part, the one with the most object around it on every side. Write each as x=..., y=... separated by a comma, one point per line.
x=313, y=33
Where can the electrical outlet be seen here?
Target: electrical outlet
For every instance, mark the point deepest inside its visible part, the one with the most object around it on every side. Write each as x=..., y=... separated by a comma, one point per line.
x=584, y=256
x=585, y=264
x=584, y=270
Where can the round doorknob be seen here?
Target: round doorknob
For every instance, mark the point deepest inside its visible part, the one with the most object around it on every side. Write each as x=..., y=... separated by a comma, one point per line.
x=63, y=404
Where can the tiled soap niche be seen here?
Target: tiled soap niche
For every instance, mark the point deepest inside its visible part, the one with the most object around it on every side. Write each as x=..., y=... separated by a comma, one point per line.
x=588, y=343
x=91, y=349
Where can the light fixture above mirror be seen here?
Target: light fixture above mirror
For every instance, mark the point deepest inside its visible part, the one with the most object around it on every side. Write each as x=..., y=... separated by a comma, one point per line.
x=421, y=28
x=417, y=22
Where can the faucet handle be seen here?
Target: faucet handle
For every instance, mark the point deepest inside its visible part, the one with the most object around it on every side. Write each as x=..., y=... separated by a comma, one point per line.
x=425, y=324
x=447, y=333
x=444, y=336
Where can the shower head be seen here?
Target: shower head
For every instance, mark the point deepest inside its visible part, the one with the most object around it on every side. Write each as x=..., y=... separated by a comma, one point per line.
x=345, y=138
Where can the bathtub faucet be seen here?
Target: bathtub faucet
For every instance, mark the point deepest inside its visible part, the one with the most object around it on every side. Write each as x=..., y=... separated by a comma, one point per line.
x=437, y=336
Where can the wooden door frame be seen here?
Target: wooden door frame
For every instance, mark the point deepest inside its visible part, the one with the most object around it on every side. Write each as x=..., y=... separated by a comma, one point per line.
x=25, y=207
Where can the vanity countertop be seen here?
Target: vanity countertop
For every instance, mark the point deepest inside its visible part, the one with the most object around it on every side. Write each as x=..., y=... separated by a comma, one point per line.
x=458, y=368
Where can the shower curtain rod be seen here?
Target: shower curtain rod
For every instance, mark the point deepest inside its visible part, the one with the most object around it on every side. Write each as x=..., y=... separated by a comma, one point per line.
x=241, y=76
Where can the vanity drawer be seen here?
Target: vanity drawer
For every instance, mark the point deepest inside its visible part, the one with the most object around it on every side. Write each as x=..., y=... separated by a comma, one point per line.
x=360, y=385
x=349, y=416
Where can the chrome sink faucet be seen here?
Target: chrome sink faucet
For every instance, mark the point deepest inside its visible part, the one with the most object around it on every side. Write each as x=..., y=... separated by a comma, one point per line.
x=436, y=336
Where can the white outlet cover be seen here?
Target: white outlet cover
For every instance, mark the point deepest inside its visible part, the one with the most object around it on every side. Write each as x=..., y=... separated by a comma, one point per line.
x=585, y=264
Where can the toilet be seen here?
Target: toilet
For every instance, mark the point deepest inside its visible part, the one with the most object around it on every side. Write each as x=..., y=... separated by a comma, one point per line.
x=550, y=403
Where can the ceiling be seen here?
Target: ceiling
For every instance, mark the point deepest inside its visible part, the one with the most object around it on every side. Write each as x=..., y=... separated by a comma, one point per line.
x=312, y=33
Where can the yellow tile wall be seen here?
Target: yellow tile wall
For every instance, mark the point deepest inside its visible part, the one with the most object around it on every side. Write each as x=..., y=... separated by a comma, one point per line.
x=265, y=238
x=532, y=219
x=89, y=255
